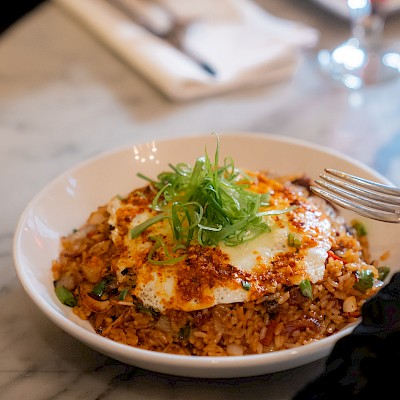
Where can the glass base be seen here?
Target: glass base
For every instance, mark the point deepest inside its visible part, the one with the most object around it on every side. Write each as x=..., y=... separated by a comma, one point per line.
x=354, y=67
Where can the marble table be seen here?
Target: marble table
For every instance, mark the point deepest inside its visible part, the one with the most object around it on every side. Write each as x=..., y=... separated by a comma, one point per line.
x=64, y=98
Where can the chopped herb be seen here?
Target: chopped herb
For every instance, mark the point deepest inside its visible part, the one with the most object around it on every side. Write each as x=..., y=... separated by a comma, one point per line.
x=146, y=310
x=359, y=228
x=208, y=202
x=159, y=243
x=306, y=288
x=65, y=296
x=246, y=285
x=123, y=294
x=137, y=230
x=365, y=280
x=99, y=289
x=294, y=241
x=184, y=332
x=383, y=272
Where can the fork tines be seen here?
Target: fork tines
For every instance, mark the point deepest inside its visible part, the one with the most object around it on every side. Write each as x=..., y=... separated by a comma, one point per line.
x=370, y=199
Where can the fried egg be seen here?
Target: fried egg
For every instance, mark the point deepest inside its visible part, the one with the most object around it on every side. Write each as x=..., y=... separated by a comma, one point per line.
x=295, y=249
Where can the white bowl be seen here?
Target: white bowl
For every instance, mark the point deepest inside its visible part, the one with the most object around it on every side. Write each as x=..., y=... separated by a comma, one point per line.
x=67, y=201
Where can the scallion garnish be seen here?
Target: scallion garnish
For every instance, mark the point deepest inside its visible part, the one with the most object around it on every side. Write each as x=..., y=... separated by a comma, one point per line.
x=65, y=296
x=294, y=241
x=169, y=259
x=359, y=228
x=184, y=333
x=98, y=290
x=123, y=294
x=365, y=280
x=146, y=310
x=383, y=272
x=306, y=288
x=137, y=230
x=246, y=285
x=209, y=203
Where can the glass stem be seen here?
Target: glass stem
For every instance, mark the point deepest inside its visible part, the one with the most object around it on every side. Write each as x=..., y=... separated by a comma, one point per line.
x=367, y=23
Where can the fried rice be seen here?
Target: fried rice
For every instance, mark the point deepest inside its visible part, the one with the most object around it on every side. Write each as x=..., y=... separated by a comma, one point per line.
x=282, y=319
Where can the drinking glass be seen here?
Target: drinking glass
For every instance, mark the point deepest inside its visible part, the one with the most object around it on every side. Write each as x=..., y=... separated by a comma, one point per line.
x=362, y=59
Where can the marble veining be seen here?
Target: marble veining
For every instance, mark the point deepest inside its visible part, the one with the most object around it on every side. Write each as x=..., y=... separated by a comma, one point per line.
x=64, y=98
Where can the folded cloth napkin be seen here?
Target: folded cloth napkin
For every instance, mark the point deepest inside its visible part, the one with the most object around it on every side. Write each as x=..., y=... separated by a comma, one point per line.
x=239, y=41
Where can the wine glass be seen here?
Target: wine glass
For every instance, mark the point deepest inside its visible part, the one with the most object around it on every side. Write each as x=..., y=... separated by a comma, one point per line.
x=362, y=59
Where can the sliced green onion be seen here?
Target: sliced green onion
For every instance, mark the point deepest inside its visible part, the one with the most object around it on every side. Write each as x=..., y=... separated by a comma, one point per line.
x=137, y=230
x=210, y=228
x=65, y=296
x=265, y=199
x=146, y=310
x=246, y=285
x=123, y=294
x=184, y=333
x=294, y=241
x=159, y=243
x=208, y=202
x=306, y=288
x=383, y=272
x=365, y=280
x=359, y=228
x=277, y=212
x=156, y=199
x=99, y=289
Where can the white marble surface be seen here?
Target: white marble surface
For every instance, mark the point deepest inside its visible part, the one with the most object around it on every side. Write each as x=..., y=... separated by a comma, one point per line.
x=64, y=97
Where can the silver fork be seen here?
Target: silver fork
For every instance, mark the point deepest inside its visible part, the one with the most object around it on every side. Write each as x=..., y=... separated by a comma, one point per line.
x=367, y=198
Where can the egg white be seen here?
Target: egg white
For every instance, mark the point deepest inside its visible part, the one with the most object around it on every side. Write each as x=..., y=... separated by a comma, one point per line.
x=249, y=270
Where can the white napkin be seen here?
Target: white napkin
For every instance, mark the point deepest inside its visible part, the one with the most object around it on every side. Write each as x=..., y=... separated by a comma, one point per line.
x=243, y=44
